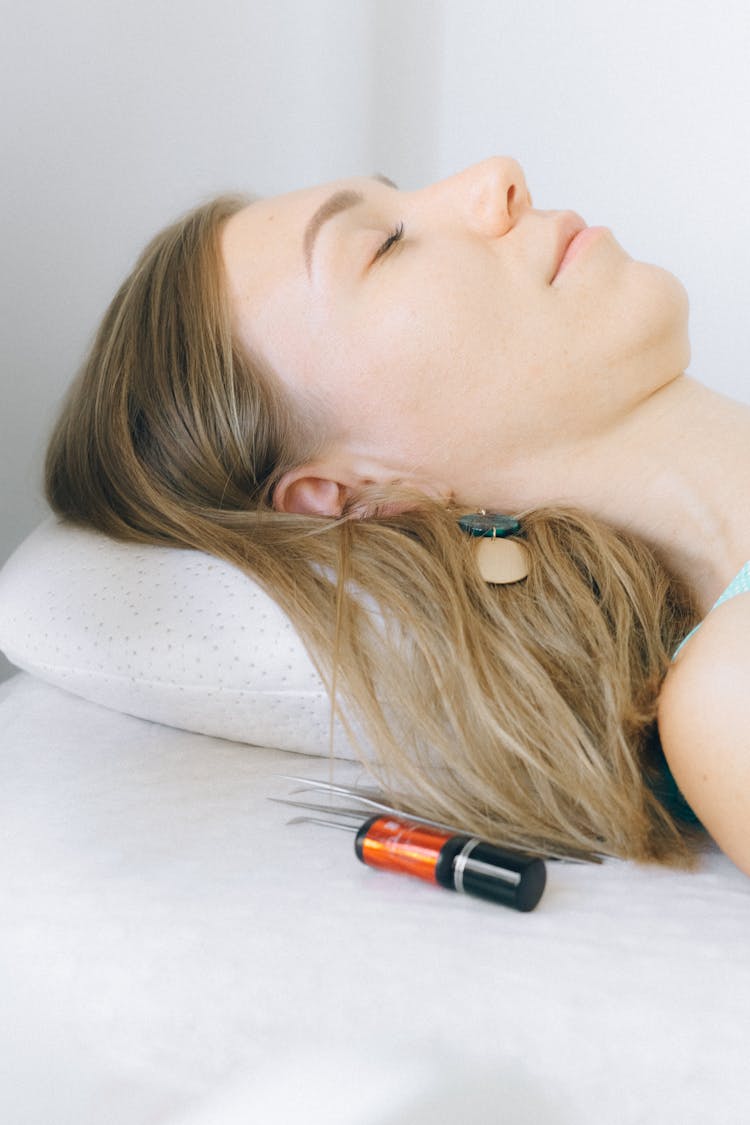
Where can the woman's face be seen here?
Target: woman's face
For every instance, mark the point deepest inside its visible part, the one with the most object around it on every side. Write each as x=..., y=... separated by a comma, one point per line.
x=437, y=329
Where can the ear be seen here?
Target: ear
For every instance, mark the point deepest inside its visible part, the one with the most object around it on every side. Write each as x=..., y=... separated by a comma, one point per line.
x=303, y=492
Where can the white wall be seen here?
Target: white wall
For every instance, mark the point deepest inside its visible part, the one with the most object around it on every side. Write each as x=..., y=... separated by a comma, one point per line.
x=117, y=114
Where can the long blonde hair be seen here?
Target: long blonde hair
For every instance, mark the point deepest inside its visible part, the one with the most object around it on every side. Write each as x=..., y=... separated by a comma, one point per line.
x=525, y=713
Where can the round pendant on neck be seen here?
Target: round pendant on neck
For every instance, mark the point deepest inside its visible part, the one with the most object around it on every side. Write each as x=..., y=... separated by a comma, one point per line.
x=500, y=560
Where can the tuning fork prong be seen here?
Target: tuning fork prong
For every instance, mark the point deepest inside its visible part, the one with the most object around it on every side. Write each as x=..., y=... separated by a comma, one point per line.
x=319, y=784
x=358, y=814
x=370, y=802
x=320, y=820
x=378, y=806
x=330, y=787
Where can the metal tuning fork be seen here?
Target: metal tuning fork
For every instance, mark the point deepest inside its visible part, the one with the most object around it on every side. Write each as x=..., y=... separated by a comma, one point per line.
x=393, y=839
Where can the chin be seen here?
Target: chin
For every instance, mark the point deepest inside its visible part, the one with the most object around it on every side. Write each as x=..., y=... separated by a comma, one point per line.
x=677, y=291
x=665, y=308
x=676, y=319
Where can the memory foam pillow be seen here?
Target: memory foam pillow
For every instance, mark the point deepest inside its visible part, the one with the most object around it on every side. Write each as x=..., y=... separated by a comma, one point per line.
x=174, y=636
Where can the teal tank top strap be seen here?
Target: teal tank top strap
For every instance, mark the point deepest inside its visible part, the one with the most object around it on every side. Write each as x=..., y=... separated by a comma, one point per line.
x=665, y=787
x=740, y=584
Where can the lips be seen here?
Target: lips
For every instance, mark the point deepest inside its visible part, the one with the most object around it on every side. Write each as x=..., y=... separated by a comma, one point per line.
x=569, y=225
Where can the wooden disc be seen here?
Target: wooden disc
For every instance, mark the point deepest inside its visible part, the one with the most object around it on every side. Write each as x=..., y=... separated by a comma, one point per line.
x=502, y=560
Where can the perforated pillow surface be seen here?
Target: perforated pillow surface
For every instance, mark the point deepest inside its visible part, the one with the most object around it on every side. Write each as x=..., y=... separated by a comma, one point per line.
x=170, y=635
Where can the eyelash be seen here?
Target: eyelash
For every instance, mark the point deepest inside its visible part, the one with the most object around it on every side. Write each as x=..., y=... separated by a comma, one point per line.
x=394, y=237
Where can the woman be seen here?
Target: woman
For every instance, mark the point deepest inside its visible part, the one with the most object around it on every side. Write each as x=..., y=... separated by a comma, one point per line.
x=315, y=387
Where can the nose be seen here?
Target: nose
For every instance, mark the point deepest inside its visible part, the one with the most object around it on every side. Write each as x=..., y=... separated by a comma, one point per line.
x=490, y=196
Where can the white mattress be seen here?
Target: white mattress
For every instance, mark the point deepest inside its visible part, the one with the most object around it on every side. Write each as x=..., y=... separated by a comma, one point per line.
x=172, y=952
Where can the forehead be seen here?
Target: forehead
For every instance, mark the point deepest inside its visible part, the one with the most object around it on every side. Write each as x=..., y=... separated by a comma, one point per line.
x=263, y=243
x=258, y=241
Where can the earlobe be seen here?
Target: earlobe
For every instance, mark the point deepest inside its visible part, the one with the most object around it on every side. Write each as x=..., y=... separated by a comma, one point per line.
x=302, y=494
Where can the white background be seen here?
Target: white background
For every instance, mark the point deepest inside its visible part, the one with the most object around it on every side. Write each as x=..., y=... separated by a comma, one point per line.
x=118, y=114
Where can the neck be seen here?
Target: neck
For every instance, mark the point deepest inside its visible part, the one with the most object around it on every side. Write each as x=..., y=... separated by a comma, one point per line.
x=675, y=473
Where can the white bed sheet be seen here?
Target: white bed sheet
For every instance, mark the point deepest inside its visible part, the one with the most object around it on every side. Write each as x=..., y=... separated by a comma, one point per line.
x=172, y=952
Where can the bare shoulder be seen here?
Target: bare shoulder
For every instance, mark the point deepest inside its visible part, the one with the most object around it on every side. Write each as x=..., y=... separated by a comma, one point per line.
x=704, y=725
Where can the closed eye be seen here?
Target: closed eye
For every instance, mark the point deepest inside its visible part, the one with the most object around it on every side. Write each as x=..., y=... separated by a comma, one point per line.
x=394, y=237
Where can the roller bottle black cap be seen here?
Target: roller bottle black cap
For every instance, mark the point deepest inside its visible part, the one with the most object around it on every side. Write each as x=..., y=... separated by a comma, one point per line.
x=486, y=871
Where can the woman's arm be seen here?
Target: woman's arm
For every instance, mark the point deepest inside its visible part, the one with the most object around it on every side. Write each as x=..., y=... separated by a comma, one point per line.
x=704, y=724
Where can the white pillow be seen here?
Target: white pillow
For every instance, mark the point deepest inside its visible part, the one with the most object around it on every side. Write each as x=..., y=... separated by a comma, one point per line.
x=170, y=635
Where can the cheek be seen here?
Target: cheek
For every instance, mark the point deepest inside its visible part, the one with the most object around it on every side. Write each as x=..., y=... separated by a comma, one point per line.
x=436, y=366
x=312, y=359
x=425, y=338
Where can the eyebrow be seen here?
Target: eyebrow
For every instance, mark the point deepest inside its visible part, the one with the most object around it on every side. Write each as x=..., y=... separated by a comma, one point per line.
x=340, y=201
x=334, y=205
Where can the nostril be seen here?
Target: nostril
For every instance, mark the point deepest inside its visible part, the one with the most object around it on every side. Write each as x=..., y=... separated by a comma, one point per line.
x=511, y=195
